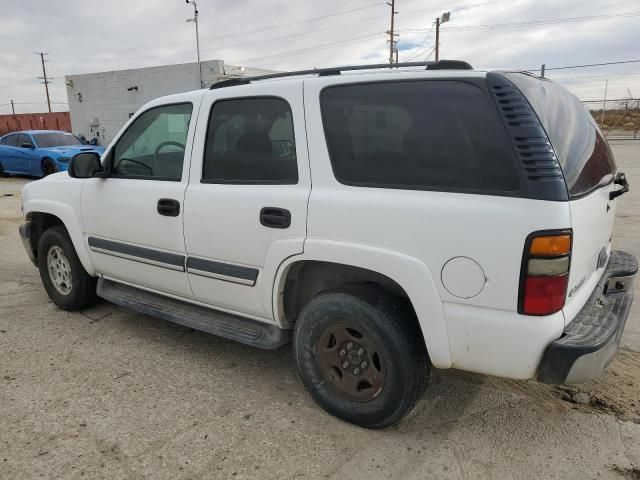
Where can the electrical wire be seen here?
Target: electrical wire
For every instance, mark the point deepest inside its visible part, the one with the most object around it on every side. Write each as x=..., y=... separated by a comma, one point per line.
x=256, y=30
x=311, y=49
x=535, y=23
x=253, y=42
x=421, y=52
x=18, y=82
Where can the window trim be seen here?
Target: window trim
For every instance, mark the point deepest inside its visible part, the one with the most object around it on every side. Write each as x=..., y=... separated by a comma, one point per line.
x=247, y=182
x=110, y=157
x=478, y=82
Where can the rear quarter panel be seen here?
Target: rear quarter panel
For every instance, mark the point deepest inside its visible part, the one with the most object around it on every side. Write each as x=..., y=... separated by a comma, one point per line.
x=434, y=227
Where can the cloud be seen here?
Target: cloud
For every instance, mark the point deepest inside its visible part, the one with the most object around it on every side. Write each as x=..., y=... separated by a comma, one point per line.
x=83, y=36
x=406, y=45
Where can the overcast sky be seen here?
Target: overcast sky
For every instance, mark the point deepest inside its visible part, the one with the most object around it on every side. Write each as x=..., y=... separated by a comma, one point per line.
x=90, y=36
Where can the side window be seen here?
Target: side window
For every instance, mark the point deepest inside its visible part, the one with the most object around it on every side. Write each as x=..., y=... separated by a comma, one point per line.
x=22, y=139
x=11, y=140
x=153, y=147
x=421, y=135
x=250, y=141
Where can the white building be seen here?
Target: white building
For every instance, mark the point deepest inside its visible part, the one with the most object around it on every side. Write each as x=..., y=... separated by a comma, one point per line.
x=101, y=103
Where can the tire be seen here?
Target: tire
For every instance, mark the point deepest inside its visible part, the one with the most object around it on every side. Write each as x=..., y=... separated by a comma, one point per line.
x=388, y=332
x=2, y=172
x=78, y=291
x=48, y=167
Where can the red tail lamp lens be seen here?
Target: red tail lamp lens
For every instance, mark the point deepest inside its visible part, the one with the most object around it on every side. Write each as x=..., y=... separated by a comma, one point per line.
x=544, y=295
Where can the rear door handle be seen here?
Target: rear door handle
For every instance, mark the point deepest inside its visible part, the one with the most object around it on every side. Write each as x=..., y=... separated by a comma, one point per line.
x=274, y=217
x=168, y=207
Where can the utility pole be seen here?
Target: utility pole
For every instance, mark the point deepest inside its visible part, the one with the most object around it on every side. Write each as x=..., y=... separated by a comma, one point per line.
x=392, y=34
x=44, y=78
x=444, y=18
x=542, y=68
x=604, y=103
x=13, y=108
x=195, y=21
x=437, y=39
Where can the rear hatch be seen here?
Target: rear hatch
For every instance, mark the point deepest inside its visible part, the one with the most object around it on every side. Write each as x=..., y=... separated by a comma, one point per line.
x=589, y=170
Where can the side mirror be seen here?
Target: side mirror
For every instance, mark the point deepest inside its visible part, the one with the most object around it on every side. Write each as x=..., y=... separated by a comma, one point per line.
x=84, y=165
x=27, y=145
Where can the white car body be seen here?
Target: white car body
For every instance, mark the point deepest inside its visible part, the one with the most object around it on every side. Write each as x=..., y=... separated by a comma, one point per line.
x=457, y=256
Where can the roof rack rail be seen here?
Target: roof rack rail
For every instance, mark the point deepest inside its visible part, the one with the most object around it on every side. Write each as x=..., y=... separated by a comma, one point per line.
x=322, y=72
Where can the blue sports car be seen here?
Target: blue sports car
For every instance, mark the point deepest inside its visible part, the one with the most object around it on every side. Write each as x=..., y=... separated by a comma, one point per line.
x=39, y=152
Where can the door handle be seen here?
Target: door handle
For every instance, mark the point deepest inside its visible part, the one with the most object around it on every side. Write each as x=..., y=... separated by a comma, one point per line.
x=168, y=207
x=274, y=217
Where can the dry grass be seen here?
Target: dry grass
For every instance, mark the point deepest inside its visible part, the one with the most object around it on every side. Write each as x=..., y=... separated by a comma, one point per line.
x=618, y=119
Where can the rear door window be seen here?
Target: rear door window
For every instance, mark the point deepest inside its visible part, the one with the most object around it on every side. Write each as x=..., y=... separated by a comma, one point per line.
x=250, y=141
x=584, y=155
x=423, y=135
x=11, y=140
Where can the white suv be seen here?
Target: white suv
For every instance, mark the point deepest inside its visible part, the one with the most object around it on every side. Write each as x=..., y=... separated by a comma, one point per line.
x=384, y=220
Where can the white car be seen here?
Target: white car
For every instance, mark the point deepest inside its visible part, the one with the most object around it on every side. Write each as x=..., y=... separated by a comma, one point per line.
x=385, y=220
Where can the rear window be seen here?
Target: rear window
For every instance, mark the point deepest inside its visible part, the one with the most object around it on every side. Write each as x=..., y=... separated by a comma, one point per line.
x=422, y=135
x=583, y=153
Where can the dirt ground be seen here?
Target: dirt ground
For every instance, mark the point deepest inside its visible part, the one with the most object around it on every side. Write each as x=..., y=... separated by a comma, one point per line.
x=109, y=393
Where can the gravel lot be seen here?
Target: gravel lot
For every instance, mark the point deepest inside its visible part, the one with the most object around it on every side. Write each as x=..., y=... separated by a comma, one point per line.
x=108, y=393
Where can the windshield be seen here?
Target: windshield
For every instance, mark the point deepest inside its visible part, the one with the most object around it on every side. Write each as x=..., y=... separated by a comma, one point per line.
x=55, y=139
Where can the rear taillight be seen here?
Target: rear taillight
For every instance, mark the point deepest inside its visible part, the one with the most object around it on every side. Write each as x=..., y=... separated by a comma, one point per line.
x=544, y=273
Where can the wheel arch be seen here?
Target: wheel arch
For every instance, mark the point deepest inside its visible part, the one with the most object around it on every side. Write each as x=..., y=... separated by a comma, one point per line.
x=46, y=216
x=328, y=264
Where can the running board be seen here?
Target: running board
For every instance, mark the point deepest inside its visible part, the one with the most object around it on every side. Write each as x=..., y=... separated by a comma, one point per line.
x=232, y=327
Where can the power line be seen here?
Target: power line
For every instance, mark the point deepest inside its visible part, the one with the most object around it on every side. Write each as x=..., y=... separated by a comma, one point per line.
x=534, y=23
x=604, y=75
x=16, y=83
x=312, y=49
x=253, y=42
x=423, y=42
x=588, y=65
x=258, y=30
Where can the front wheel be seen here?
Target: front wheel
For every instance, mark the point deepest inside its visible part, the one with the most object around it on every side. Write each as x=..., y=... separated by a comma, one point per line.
x=361, y=356
x=66, y=281
x=48, y=167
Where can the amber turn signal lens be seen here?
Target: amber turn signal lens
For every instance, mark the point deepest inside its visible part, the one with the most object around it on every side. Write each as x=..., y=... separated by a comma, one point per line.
x=551, y=245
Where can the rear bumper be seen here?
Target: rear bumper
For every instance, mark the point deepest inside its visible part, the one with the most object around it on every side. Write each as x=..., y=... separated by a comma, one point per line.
x=25, y=236
x=591, y=339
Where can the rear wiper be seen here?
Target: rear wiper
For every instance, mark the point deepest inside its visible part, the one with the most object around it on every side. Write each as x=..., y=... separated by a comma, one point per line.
x=620, y=179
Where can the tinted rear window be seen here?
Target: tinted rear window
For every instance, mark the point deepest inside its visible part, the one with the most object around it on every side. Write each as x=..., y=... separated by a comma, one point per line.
x=583, y=153
x=423, y=135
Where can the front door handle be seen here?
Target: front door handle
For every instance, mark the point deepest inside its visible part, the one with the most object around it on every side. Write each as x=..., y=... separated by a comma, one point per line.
x=274, y=217
x=168, y=207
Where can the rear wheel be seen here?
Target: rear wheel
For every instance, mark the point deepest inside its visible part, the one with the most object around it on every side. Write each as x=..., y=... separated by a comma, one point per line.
x=66, y=281
x=48, y=167
x=361, y=356
x=2, y=172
